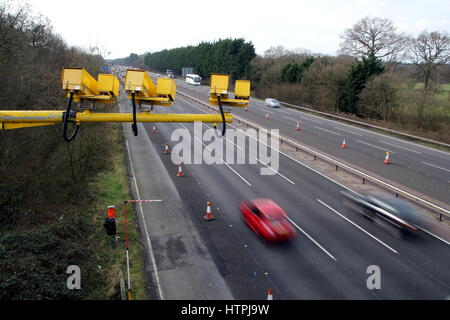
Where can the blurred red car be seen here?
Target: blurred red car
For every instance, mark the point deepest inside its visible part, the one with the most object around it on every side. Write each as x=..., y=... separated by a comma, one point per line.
x=267, y=219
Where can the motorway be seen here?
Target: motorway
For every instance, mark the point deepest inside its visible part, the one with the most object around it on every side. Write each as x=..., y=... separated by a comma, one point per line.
x=333, y=249
x=414, y=166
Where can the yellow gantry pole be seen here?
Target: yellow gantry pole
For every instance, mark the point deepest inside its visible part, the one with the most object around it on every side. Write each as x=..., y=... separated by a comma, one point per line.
x=20, y=119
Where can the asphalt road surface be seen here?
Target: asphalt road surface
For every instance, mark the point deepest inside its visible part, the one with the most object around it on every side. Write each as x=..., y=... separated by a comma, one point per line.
x=334, y=248
x=417, y=167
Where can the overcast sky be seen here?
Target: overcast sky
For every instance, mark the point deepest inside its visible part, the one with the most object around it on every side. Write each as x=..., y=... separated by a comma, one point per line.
x=123, y=27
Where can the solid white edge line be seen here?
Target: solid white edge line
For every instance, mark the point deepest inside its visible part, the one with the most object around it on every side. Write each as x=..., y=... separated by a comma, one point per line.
x=312, y=239
x=354, y=224
x=150, y=248
x=432, y=234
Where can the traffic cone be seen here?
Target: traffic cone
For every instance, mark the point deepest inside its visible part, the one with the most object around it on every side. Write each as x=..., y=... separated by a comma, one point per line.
x=180, y=171
x=166, y=148
x=269, y=295
x=298, y=126
x=154, y=130
x=208, y=216
x=387, y=160
x=267, y=116
x=344, y=145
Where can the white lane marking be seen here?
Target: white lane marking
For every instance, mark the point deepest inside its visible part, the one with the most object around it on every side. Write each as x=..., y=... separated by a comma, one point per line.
x=312, y=239
x=338, y=134
x=349, y=131
x=309, y=119
x=242, y=178
x=306, y=166
x=289, y=118
x=432, y=165
x=255, y=157
x=179, y=107
x=394, y=145
x=354, y=224
x=150, y=248
x=384, y=149
x=295, y=160
x=437, y=237
x=282, y=111
x=274, y=170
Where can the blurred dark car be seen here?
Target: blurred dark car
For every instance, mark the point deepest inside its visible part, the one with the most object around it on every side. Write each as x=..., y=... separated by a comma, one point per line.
x=384, y=210
x=267, y=219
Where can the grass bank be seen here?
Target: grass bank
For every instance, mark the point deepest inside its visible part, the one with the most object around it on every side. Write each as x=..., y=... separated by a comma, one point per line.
x=111, y=188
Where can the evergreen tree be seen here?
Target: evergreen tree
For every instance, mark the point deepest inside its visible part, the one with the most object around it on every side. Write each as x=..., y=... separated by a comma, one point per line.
x=356, y=81
x=231, y=56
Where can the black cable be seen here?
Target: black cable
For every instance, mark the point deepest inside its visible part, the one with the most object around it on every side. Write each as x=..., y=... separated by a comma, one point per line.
x=66, y=120
x=134, y=125
x=223, y=116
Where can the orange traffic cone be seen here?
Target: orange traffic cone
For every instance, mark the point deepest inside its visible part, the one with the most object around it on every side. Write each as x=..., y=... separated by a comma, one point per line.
x=180, y=171
x=269, y=295
x=344, y=145
x=387, y=160
x=298, y=126
x=267, y=116
x=208, y=216
x=154, y=130
x=166, y=148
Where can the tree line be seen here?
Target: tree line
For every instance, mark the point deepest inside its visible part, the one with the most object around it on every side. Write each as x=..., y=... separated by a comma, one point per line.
x=45, y=218
x=231, y=56
x=378, y=74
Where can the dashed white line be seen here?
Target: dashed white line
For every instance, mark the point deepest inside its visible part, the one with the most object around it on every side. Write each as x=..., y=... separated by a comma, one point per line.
x=338, y=134
x=235, y=172
x=432, y=165
x=314, y=170
x=384, y=149
x=309, y=119
x=354, y=224
x=289, y=118
x=312, y=239
x=349, y=131
x=394, y=145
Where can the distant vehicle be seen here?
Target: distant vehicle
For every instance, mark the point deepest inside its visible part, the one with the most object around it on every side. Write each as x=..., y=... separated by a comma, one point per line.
x=273, y=103
x=388, y=212
x=267, y=219
x=193, y=79
x=170, y=73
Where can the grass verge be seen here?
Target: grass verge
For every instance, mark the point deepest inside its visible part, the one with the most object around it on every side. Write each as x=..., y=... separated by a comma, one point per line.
x=111, y=188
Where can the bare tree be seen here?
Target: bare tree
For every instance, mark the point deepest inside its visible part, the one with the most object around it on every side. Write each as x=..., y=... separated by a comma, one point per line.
x=427, y=52
x=373, y=36
x=276, y=52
